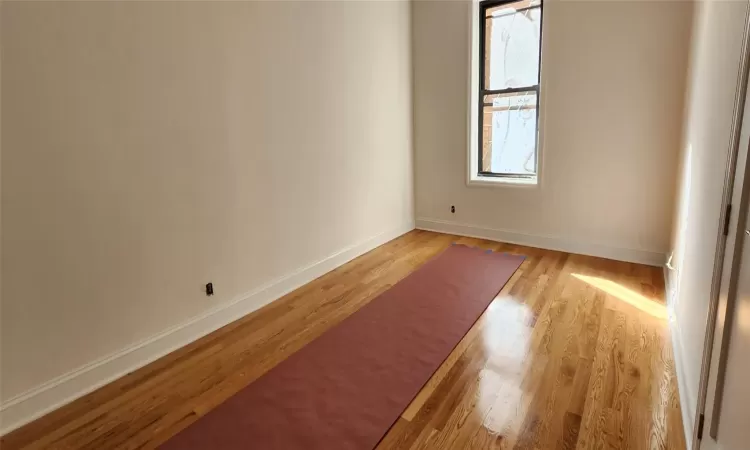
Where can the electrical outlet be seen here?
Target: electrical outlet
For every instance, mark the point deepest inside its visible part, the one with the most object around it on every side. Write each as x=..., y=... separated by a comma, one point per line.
x=209, y=289
x=453, y=209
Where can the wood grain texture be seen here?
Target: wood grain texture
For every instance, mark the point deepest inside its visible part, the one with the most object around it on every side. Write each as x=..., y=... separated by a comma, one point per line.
x=573, y=353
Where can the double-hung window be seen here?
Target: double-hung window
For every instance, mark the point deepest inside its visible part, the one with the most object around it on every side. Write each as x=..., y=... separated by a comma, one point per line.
x=509, y=61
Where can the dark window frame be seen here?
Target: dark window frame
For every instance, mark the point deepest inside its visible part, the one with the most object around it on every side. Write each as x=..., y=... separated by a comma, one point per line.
x=483, y=7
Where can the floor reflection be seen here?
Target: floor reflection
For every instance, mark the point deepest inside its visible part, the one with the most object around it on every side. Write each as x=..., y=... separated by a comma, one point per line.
x=507, y=339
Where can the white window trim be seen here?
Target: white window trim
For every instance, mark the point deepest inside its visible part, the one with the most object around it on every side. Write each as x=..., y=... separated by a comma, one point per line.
x=473, y=179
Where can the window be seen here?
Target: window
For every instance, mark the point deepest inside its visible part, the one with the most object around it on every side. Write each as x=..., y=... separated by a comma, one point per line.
x=509, y=55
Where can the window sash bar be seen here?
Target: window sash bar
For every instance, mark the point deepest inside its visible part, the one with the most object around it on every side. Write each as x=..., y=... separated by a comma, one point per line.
x=507, y=175
x=532, y=88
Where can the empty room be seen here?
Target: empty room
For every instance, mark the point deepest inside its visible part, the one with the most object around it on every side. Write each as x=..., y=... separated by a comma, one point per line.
x=374, y=224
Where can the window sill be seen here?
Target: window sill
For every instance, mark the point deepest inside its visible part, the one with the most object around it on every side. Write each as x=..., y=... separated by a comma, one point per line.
x=529, y=182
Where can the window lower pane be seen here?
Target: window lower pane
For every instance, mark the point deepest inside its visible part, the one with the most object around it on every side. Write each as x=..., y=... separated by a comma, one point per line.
x=509, y=133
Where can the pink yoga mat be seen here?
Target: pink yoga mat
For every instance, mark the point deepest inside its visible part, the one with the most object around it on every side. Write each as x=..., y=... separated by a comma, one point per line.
x=346, y=388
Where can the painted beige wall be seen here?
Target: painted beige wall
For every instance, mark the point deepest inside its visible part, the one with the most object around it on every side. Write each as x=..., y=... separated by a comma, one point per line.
x=149, y=147
x=613, y=78
x=712, y=85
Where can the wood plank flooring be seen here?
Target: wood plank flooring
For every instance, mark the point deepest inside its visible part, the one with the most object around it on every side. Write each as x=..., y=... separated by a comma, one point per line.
x=574, y=353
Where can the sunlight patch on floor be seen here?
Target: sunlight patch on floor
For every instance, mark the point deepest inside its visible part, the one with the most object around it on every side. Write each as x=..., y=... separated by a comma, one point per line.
x=626, y=295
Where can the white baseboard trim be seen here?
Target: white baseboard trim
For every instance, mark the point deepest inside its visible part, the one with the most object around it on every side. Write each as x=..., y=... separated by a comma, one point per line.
x=651, y=258
x=688, y=415
x=45, y=398
x=687, y=412
x=687, y=402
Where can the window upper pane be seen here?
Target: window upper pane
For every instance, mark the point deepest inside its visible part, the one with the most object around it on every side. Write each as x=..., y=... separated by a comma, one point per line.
x=512, y=35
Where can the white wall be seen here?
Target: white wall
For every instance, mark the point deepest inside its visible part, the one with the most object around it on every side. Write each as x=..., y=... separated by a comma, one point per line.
x=151, y=147
x=712, y=86
x=613, y=75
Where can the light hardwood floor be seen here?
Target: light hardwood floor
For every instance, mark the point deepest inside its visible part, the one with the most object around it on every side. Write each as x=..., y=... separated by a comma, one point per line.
x=574, y=353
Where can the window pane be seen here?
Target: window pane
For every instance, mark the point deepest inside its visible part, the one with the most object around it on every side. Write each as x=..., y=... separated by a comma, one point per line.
x=512, y=46
x=509, y=133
